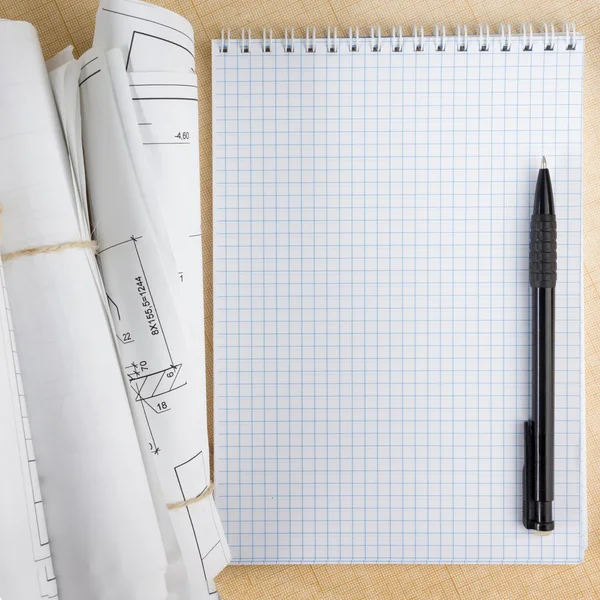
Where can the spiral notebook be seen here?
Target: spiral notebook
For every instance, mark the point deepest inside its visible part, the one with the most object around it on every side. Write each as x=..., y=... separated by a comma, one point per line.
x=372, y=197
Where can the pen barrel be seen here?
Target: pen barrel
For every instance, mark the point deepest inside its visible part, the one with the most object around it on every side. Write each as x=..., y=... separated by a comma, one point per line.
x=542, y=391
x=538, y=473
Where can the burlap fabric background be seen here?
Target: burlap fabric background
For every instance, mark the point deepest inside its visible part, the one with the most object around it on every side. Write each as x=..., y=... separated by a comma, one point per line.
x=64, y=22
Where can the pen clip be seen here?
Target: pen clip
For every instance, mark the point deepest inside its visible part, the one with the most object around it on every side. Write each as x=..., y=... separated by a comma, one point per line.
x=528, y=477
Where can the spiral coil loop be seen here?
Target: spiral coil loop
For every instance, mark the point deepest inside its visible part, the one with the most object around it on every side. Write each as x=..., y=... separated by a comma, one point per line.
x=439, y=32
x=569, y=31
x=505, y=38
x=267, y=42
x=225, y=41
x=245, y=45
x=418, y=38
x=311, y=42
x=549, y=36
x=376, y=39
x=332, y=41
x=544, y=39
x=462, y=38
x=397, y=39
x=483, y=31
x=354, y=40
x=527, y=34
x=288, y=43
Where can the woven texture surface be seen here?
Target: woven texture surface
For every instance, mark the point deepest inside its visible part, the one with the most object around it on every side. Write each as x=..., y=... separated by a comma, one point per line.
x=64, y=22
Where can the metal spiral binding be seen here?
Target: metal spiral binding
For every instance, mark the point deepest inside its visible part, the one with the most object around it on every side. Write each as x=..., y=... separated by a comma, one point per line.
x=439, y=32
x=462, y=38
x=549, y=41
x=527, y=33
x=397, y=40
x=569, y=31
x=483, y=31
x=526, y=40
x=289, y=41
x=505, y=38
x=245, y=45
x=354, y=41
x=311, y=43
x=418, y=39
x=332, y=42
x=225, y=41
x=376, y=41
x=267, y=44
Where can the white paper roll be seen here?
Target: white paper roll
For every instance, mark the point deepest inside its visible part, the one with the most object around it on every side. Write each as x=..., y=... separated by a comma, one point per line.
x=102, y=526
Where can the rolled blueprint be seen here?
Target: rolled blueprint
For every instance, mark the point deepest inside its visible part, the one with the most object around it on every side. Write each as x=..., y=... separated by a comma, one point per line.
x=102, y=526
x=157, y=48
x=150, y=315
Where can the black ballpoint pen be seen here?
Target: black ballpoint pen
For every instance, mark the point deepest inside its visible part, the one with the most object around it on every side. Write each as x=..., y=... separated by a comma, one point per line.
x=538, y=471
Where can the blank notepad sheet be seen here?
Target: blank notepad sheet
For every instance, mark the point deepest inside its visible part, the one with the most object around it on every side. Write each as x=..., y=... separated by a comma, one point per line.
x=372, y=328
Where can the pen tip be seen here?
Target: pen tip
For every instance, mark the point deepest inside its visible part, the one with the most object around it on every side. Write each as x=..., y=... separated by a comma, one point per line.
x=544, y=163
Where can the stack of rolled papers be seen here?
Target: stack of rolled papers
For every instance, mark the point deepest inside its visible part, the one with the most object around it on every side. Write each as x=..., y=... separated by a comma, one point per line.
x=104, y=456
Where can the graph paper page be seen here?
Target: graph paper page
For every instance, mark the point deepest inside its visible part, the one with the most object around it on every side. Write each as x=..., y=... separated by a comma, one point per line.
x=372, y=323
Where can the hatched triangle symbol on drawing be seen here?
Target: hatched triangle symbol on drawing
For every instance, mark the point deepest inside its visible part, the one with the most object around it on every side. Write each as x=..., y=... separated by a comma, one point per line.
x=155, y=384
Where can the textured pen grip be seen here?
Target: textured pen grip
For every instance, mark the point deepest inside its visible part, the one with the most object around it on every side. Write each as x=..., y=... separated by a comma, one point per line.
x=542, y=251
